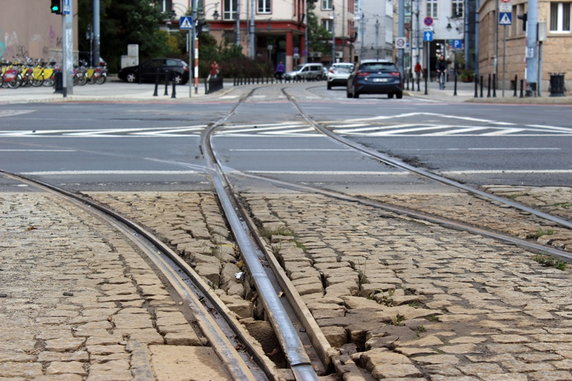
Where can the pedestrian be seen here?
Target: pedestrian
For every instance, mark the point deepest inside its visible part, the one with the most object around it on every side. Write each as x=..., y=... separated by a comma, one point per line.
x=279, y=70
x=442, y=72
x=213, y=70
x=418, y=69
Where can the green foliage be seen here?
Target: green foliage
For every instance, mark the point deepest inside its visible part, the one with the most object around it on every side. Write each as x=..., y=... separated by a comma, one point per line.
x=548, y=261
x=319, y=38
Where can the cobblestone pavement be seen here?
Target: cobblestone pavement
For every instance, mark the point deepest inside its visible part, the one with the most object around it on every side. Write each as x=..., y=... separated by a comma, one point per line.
x=405, y=299
x=78, y=302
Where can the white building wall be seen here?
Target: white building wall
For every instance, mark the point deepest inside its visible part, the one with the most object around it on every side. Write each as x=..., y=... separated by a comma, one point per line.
x=374, y=20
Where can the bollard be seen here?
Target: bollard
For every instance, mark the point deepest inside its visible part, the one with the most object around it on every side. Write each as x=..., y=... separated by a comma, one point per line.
x=515, y=84
x=494, y=85
x=426, y=85
x=418, y=83
x=481, y=83
x=155, y=93
x=476, y=86
x=489, y=87
x=455, y=84
x=166, y=83
x=522, y=88
x=174, y=91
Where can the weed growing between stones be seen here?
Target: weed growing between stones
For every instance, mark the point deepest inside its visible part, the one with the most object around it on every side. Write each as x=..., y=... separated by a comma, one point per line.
x=548, y=261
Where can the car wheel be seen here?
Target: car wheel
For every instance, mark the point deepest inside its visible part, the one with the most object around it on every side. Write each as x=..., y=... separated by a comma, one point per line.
x=390, y=95
x=399, y=95
x=131, y=78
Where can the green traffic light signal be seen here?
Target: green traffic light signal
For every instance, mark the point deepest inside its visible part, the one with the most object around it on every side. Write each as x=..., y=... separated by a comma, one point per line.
x=56, y=7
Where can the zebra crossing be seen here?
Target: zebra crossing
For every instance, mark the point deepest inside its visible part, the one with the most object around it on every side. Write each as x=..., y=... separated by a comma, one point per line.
x=402, y=125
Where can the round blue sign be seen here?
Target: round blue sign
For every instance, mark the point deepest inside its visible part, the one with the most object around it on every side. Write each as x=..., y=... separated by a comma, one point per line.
x=428, y=21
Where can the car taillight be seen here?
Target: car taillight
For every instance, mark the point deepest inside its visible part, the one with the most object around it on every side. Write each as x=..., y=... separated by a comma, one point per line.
x=362, y=74
x=395, y=73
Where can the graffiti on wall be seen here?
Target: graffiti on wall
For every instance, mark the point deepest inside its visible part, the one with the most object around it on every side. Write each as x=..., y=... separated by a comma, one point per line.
x=40, y=45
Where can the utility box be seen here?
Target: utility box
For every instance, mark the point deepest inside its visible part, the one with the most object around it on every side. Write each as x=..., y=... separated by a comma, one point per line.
x=557, y=84
x=132, y=57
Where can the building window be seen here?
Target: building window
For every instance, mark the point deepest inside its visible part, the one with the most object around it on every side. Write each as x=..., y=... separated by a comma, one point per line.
x=229, y=11
x=432, y=8
x=560, y=17
x=457, y=8
x=264, y=6
x=327, y=4
x=327, y=24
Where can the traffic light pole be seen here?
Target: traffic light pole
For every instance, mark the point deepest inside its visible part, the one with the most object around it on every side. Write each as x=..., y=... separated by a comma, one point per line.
x=531, y=49
x=67, y=49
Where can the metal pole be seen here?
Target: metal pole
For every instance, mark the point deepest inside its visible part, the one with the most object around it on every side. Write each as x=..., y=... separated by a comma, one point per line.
x=401, y=33
x=67, y=47
x=195, y=47
x=96, y=34
x=531, y=49
x=191, y=62
x=503, y=59
x=237, y=26
x=252, y=46
x=333, y=34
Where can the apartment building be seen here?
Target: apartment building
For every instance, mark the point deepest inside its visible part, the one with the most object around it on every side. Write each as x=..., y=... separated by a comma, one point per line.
x=338, y=16
x=502, y=49
x=374, y=21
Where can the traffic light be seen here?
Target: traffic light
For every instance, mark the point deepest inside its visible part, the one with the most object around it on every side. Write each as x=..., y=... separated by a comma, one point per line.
x=56, y=6
x=524, y=18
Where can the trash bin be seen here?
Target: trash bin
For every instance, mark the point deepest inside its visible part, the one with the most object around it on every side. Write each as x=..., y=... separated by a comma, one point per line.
x=58, y=82
x=557, y=84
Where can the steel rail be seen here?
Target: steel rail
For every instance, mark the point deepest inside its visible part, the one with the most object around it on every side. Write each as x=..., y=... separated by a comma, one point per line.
x=395, y=162
x=298, y=359
x=171, y=265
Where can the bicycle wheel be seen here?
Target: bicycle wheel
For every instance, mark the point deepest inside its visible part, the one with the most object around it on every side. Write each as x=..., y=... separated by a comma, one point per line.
x=101, y=79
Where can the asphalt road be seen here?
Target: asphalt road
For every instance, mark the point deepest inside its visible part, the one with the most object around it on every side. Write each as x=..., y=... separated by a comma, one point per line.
x=156, y=145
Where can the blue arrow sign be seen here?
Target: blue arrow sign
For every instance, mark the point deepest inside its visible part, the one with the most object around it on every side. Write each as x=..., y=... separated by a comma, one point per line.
x=428, y=35
x=186, y=23
x=505, y=18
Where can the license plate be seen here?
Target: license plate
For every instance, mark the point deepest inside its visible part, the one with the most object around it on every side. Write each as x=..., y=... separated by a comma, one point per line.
x=380, y=79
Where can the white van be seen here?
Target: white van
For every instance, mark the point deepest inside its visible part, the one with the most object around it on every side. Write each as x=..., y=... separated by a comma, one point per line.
x=307, y=71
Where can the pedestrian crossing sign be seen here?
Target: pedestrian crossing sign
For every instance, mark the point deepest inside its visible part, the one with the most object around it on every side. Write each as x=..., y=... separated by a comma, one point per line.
x=186, y=22
x=505, y=18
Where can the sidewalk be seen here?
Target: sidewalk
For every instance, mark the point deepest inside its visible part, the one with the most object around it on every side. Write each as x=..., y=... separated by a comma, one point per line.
x=466, y=93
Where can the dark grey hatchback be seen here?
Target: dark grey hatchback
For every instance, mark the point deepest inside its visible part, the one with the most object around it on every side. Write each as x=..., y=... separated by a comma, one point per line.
x=375, y=77
x=148, y=71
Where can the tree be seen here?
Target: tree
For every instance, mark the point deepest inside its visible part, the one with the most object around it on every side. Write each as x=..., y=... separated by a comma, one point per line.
x=319, y=37
x=125, y=22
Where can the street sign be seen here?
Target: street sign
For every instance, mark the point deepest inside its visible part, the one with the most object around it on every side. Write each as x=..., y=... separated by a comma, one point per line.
x=457, y=44
x=505, y=18
x=428, y=36
x=186, y=23
x=505, y=7
x=400, y=42
x=66, y=7
x=428, y=21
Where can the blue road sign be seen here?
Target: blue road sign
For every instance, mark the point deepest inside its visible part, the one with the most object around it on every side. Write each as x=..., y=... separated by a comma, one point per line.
x=505, y=18
x=457, y=44
x=186, y=23
x=428, y=35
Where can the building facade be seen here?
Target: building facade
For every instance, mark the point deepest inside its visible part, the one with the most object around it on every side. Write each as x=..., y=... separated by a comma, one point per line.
x=502, y=49
x=37, y=34
x=339, y=16
x=374, y=20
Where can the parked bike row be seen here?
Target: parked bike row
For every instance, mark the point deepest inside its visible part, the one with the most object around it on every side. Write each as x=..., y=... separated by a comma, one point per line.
x=20, y=74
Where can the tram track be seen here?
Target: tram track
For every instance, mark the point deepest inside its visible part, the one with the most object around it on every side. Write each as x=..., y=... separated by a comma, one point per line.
x=259, y=257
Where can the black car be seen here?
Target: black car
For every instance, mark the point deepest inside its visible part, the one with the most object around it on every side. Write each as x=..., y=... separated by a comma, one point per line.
x=375, y=77
x=148, y=71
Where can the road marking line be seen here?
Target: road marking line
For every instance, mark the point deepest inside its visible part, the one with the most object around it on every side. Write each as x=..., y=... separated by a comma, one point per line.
x=38, y=150
x=507, y=171
x=110, y=172
x=291, y=150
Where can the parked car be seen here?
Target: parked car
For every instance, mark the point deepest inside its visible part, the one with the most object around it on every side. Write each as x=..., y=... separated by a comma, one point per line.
x=338, y=74
x=375, y=77
x=307, y=71
x=148, y=70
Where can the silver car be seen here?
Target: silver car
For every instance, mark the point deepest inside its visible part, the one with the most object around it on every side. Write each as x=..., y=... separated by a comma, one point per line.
x=308, y=71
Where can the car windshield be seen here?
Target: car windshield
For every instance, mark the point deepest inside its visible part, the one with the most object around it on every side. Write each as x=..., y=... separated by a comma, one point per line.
x=299, y=67
x=378, y=66
x=343, y=69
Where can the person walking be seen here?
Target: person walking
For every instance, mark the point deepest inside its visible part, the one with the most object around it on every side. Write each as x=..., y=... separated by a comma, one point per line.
x=279, y=70
x=442, y=72
x=213, y=70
